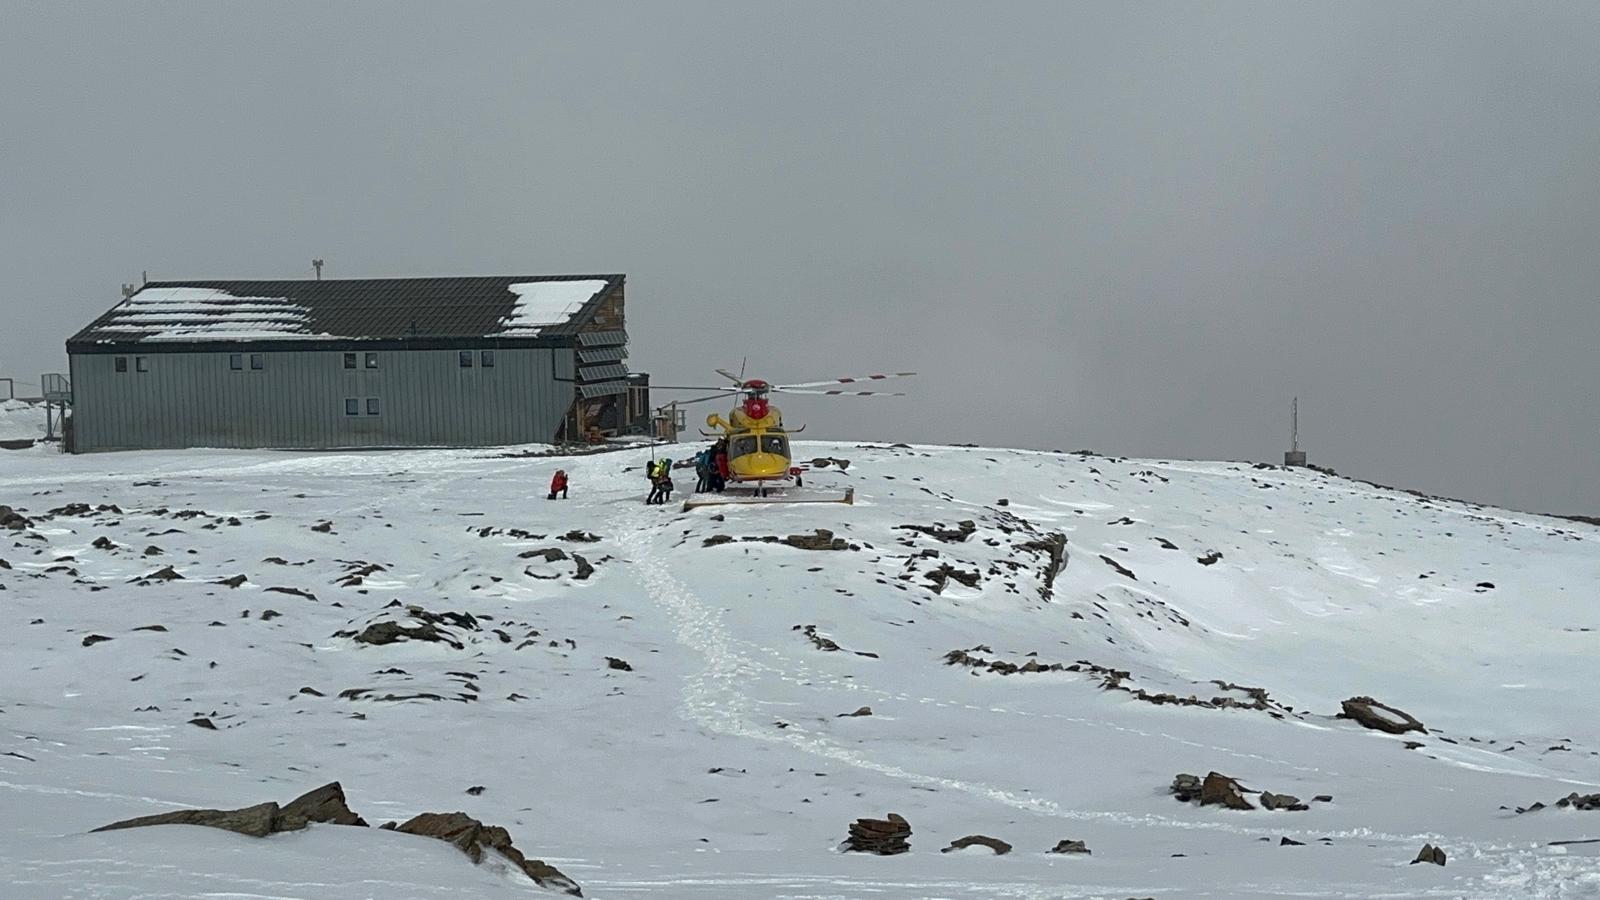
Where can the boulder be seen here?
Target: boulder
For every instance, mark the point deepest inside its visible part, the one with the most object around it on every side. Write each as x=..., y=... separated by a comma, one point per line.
x=999, y=847
x=1070, y=847
x=1369, y=713
x=1289, y=802
x=472, y=837
x=884, y=837
x=10, y=518
x=1218, y=789
x=1185, y=787
x=1430, y=854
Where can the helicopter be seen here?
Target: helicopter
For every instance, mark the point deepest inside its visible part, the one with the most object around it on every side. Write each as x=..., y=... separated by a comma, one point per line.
x=759, y=454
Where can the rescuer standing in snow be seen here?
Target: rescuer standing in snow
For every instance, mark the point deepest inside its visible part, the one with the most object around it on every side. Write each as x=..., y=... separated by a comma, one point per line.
x=558, y=484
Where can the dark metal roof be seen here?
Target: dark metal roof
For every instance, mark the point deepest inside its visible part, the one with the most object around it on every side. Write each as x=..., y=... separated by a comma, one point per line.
x=342, y=310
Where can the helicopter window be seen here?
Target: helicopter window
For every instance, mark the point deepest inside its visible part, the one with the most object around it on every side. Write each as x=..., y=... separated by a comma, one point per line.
x=739, y=446
x=775, y=443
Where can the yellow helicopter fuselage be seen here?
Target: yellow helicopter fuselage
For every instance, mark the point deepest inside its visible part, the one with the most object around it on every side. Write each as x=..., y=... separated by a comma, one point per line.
x=758, y=448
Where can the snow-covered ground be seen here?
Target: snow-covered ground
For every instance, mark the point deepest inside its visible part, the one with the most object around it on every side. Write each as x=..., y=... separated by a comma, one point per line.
x=20, y=421
x=721, y=765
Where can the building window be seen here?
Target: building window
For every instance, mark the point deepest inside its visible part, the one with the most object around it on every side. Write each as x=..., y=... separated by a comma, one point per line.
x=372, y=406
x=466, y=359
x=257, y=362
x=122, y=364
x=349, y=360
x=236, y=361
x=141, y=363
x=352, y=406
x=372, y=360
x=486, y=359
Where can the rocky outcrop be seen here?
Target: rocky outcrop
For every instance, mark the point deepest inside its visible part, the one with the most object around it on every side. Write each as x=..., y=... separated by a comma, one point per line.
x=1217, y=789
x=999, y=847
x=428, y=626
x=472, y=837
x=13, y=520
x=940, y=532
x=1070, y=847
x=1369, y=713
x=884, y=837
x=325, y=804
x=823, y=539
x=825, y=643
x=1574, y=800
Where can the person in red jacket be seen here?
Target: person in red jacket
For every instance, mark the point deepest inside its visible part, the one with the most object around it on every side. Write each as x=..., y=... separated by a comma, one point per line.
x=722, y=467
x=558, y=484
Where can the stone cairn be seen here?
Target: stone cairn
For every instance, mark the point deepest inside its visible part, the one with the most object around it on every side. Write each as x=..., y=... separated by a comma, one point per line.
x=885, y=837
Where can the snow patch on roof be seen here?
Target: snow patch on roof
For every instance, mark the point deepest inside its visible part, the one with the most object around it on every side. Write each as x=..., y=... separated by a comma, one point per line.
x=542, y=303
x=187, y=313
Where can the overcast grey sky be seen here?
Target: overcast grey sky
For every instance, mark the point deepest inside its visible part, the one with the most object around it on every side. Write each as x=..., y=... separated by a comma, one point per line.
x=1135, y=227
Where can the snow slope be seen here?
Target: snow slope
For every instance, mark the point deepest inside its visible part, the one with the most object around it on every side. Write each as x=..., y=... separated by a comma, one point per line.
x=721, y=765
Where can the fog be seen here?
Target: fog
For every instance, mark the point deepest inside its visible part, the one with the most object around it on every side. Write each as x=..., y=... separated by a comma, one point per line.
x=1140, y=228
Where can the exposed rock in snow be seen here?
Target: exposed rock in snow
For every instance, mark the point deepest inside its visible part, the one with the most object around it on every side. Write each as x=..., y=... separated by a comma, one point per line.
x=1379, y=716
x=473, y=837
x=325, y=804
x=1067, y=846
x=1218, y=789
x=1430, y=854
x=999, y=847
x=884, y=837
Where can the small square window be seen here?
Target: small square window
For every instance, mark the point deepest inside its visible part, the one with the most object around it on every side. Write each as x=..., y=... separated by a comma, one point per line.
x=236, y=361
x=122, y=364
x=486, y=358
x=141, y=363
x=372, y=406
x=352, y=406
x=466, y=359
x=257, y=361
x=349, y=360
x=372, y=360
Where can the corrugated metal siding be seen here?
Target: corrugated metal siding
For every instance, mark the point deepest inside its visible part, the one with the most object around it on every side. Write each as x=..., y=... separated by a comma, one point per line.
x=427, y=399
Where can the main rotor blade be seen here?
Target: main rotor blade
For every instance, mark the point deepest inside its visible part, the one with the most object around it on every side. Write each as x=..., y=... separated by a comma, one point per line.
x=784, y=390
x=731, y=377
x=692, y=387
x=850, y=380
x=697, y=400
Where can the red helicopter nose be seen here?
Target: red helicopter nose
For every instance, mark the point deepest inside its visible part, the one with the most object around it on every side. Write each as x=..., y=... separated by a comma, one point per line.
x=755, y=408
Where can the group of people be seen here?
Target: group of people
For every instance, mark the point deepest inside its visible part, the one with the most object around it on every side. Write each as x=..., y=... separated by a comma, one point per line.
x=711, y=468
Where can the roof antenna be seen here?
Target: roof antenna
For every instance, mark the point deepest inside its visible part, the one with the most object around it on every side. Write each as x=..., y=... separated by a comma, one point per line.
x=128, y=290
x=317, y=264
